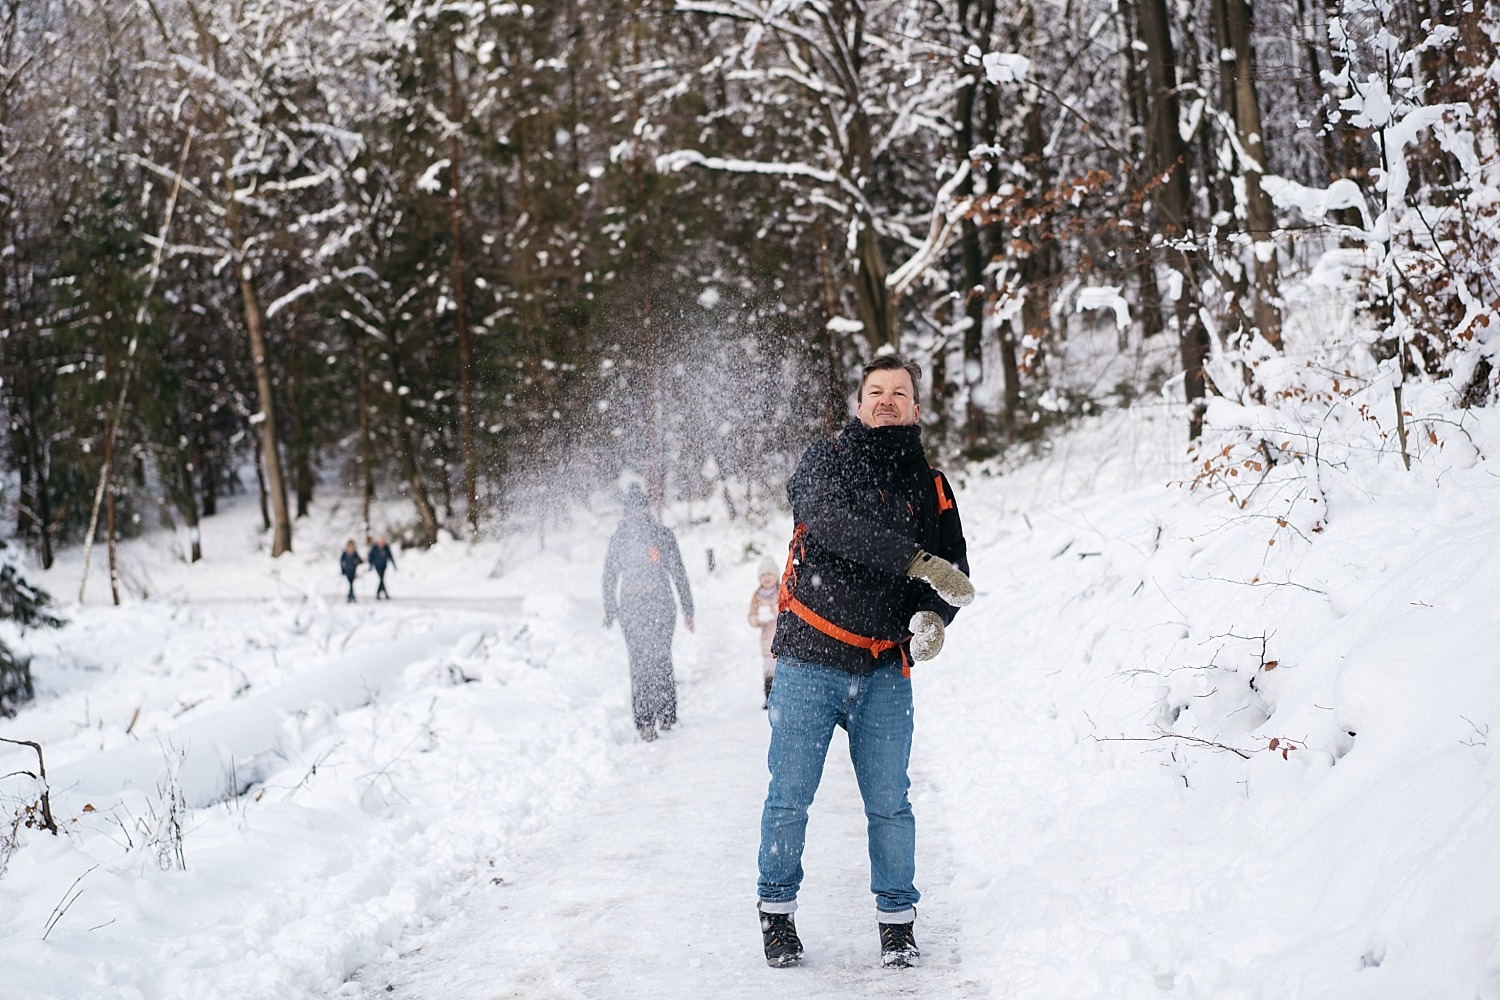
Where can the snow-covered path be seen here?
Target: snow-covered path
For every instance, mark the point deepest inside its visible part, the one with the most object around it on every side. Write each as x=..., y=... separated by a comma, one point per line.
x=650, y=889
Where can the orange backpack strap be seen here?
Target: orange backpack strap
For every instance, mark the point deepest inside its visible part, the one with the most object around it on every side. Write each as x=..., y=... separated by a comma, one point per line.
x=786, y=600
x=944, y=503
x=828, y=628
x=788, y=585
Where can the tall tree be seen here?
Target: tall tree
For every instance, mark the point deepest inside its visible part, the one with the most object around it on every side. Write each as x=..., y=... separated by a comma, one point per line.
x=1167, y=155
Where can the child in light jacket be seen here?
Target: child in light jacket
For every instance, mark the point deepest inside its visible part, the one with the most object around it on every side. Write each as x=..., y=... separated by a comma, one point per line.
x=763, y=616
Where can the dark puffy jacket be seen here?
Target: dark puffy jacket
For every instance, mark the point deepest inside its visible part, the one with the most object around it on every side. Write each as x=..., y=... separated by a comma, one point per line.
x=348, y=563
x=866, y=501
x=380, y=555
x=642, y=565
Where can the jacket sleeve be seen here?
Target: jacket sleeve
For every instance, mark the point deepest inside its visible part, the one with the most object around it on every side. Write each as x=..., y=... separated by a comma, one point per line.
x=390, y=557
x=952, y=547
x=821, y=502
x=679, y=573
x=611, y=579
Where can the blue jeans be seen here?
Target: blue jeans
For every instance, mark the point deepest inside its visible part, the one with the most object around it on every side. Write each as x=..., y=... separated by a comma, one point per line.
x=807, y=701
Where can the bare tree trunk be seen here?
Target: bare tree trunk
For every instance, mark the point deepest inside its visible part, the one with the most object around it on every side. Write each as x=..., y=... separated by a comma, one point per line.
x=1149, y=313
x=460, y=303
x=413, y=473
x=298, y=443
x=366, y=476
x=270, y=456
x=208, y=42
x=190, y=511
x=1261, y=219
x=44, y=505
x=656, y=486
x=872, y=299
x=1194, y=346
x=832, y=404
x=109, y=523
x=1167, y=156
x=281, y=522
x=937, y=405
x=407, y=446
x=106, y=470
x=260, y=482
x=971, y=255
x=34, y=508
x=876, y=306
x=993, y=235
x=1038, y=266
x=208, y=471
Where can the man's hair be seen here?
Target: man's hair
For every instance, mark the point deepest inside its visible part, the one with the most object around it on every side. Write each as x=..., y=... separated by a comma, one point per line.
x=891, y=363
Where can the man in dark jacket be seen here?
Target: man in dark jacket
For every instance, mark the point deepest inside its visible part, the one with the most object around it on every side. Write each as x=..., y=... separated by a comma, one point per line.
x=349, y=565
x=642, y=566
x=380, y=557
x=877, y=570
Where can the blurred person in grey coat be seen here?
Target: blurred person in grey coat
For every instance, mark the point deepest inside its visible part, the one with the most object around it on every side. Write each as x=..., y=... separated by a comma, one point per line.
x=640, y=570
x=381, y=557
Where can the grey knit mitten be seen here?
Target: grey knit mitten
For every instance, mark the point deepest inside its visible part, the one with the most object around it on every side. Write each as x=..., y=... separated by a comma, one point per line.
x=947, y=579
x=926, y=635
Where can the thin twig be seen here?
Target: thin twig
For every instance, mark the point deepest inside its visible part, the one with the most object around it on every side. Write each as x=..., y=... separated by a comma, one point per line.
x=1200, y=741
x=65, y=903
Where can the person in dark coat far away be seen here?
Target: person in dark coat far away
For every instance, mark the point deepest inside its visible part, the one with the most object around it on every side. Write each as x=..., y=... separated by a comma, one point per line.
x=380, y=557
x=640, y=570
x=349, y=561
x=878, y=568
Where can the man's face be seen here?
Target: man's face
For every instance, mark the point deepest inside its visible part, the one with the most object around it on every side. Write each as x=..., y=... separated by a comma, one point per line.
x=888, y=399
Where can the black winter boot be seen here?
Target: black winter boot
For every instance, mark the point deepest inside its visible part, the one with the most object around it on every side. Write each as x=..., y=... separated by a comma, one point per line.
x=898, y=946
x=783, y=946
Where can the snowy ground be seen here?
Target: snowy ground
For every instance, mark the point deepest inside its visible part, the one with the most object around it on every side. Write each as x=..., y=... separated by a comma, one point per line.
x=266, y=792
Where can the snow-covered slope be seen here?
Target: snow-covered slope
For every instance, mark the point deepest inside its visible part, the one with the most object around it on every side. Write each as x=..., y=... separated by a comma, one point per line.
x=266, y=792
x=1199, y=750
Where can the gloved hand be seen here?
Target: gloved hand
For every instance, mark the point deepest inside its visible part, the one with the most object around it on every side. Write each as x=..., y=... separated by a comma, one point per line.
x=947, y=579
x=926, y=635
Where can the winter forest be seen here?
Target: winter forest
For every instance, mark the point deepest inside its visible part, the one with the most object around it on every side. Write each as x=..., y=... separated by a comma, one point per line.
x=1206, y=295
x=451, y=249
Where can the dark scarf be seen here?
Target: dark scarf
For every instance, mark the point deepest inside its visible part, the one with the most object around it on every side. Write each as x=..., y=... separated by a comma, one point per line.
x=883, y=446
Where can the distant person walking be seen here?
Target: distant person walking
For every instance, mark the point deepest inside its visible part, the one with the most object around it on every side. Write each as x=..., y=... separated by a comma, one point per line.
x=380, y=558
x=349, y=562
x=640, y=570
x=878, y=569
x=763, y=617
